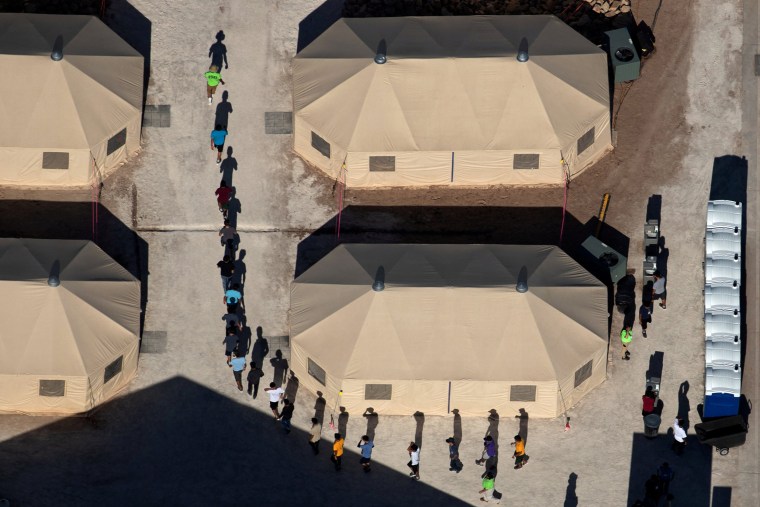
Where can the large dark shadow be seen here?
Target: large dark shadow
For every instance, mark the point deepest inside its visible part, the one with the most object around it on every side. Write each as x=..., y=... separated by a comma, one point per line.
x=280, y=367
x=260, y=347
x=721, y=496
x=157, y=446
x=691, y=483
x=80, y=220
x=319, y=20
x=124, y=19
x=684, y=407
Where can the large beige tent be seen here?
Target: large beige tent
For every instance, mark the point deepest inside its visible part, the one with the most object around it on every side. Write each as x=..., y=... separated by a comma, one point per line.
x=448, y=329
x=451, y=105
x=68, y=122
x=68, y=347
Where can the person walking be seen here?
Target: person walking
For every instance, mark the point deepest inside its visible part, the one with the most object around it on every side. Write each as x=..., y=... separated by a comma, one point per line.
x=315, y=433
x=648, y=402
x=287, y=414
x=223, y=195
x=414, y=461
x=521, y=459
x=230, y=342
x=337, y=454
x=232, y=298
x=226, y=269
x=645, y=317
x=659, y=290
x=275, y=395
x=679, y=436
x=218, y=135
x=626, y=335
x=226, y=233
x=489, y=450
x=238, y=365
x=665, y=475
x=254, y=376
x=488, y=487
x=213, y=78
x=366, y=445
x=455, y=465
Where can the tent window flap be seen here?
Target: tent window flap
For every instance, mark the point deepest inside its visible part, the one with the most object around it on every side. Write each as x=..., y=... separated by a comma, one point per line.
x=52, y=387
x=378, y=391
x=525, y=161
x=117, y=141
x=522, y=393
x=113, y=369
x=55, y=160
x=317, y=372
x=586, y=140
x=382, y=164
x=320, y=145
x=583, y=373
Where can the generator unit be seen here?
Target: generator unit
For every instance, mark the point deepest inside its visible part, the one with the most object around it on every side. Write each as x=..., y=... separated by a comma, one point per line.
x=624, y=58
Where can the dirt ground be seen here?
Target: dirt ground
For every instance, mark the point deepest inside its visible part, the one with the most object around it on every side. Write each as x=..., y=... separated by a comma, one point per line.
x=182, y=432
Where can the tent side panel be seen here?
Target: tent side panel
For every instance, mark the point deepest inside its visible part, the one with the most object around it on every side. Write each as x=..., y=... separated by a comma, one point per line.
x=21, y=394
x=108, y=163
x=100, y=392
x=408, y=396
x=302, y=146
x=497, y=167
x=602, y=145
x=473, y=398
x=299, y=366
x=569, y=395
x=419, y=168
x=23, y=167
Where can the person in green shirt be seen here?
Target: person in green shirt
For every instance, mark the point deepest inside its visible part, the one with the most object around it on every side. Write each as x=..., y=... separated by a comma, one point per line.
x=213, y=78
x=626, y=335
x=488, y=485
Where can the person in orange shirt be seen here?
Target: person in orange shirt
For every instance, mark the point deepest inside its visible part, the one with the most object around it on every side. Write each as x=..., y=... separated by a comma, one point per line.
x=337, y=454
x=520, y=457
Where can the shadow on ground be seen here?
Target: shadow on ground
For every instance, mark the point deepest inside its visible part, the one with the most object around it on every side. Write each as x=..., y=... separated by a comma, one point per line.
x=692, y=470
x=129, y=23
x=179, y=443
x=79, y=220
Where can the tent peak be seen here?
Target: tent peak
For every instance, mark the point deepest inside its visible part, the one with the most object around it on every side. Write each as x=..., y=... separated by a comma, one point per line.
x=379, y=283
x=54, y=279
x=57, y=53
x=380, y=57
x=522, y=51
x=522, y=280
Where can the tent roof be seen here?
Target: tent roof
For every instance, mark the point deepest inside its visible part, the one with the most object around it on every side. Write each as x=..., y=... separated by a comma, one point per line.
x=449, y=312
x=75, y=103
x=450, y=83
x=69, y=330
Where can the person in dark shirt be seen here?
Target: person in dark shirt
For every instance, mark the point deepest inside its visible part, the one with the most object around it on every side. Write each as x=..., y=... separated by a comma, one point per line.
x=286, y=415
x=230, y=342
x=223, y=194
x=455, y=465
x=254, y=376
x=645, y=317
x=226, y=269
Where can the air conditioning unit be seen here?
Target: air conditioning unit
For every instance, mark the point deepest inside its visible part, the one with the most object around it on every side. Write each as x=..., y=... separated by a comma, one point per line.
x=624, y=58
x=608, y=257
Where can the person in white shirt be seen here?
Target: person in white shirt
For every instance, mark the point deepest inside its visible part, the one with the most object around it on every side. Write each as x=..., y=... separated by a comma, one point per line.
x=679, y=434
x=276, y=394
x=414, y=461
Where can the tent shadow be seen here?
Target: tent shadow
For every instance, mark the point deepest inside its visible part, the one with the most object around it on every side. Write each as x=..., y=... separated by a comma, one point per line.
x=319, y=20
x=78, y=220
x=179, y=440
x=129, y=23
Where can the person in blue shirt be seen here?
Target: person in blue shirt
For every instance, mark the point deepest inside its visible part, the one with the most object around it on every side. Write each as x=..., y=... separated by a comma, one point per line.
x=218, y=135
x=366, y=451
x=232, y=298
x=238, y=365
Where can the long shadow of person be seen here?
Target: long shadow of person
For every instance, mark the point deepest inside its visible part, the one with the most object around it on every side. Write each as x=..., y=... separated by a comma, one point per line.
x=571, y=499
x=683, y=404
x=493, y=430
x=291, y=390
x=223, y=111
x=280, y=365
x=372, y=420
x=240, y=269
x=319, y=407
x=228, y=166
x=523, y=431
x=235, y=208
x=343, y=422
x=419, y=418
x=260, y=347
x=662, y=257
x=218, y=51
x=244, y=340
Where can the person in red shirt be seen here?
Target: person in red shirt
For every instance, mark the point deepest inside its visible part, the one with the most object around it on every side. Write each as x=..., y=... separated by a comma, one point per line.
x=223, y=195
x=647, y=402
